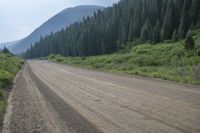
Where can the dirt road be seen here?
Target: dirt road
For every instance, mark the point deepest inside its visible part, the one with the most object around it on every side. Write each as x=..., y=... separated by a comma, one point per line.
x=53, y=98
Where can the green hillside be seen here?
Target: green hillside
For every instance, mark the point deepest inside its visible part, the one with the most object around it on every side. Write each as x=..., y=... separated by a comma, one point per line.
x=152, y=21
x=168, y=61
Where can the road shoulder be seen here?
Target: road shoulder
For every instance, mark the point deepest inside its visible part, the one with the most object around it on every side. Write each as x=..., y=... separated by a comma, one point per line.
x=27, y=110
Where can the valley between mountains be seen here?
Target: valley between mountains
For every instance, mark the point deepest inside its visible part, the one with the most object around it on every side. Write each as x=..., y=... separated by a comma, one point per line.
x=54, y=98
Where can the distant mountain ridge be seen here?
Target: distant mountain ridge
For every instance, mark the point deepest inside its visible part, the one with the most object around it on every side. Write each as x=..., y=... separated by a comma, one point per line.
x=56, y=23
x=8, y=44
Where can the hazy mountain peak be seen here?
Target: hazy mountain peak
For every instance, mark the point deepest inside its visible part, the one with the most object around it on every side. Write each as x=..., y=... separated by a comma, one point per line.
x=61, y=20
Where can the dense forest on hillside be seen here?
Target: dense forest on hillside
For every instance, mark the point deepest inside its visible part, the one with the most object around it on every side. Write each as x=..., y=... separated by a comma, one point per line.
x=138, y=21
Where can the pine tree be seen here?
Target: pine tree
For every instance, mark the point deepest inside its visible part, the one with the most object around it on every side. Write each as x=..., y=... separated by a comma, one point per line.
x=195, y=11
x=175, y=36
x=156, y=32
x=137, y=28
x=6, y=51
x=144, y=12
x=185, y=19
x=124, y=34
x=131, y=30
x=146, y=31
x=167, y=28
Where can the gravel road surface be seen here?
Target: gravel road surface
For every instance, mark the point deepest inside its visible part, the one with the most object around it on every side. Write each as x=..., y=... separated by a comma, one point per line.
x=54, y=98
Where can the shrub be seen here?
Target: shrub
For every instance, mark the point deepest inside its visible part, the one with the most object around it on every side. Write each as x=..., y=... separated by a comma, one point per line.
x=52, y=56
x=197, y=49
x=144, y=60
x=5, y=78
x=42, y=58
x=168, y=41
x=59, y=59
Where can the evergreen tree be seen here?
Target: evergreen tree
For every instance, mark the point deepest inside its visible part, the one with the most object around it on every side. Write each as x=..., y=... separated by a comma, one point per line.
x=175, y=36
x=185, y=19
x=156, y=32
x=189, y=41
x=123, y=34
x=167, y=28
x=195, y=11
x=144, y=12
x=131, y=31
x=146, y=31
x=6, y=51
x=137, y=28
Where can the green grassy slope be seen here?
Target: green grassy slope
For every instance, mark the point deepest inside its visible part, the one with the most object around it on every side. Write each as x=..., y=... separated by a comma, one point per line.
x=168, y=61
x=9, y=66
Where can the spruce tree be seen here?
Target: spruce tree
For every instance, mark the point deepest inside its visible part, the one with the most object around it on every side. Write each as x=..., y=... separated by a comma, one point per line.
x=185, y=19
x=5, y=50
x=146, y=31
x=131, y=30
x=156, y=32
x=195, y=11
x=175, y=36
x=144, y=12
x=167, y=28
x=136, y=28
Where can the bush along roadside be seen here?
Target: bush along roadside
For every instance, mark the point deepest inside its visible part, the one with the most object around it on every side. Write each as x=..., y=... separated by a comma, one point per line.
x=9, y=66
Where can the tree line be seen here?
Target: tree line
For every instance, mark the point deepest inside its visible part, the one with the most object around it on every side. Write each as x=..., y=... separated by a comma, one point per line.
x=5, y=50
x=127, y=21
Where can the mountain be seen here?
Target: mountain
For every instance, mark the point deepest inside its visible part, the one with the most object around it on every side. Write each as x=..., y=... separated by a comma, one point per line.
x=8, y=44
x=62, y=20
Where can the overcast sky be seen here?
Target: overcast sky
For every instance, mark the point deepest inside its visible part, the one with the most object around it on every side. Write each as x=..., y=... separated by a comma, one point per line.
x=18, y=18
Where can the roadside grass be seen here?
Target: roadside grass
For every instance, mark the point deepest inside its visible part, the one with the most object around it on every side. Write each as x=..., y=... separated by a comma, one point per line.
x=167, y=61
x=9, y=66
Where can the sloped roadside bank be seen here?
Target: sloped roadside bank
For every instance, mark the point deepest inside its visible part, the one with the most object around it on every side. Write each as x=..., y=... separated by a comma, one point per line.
x=22, y=114
x=9, y=67
x=168, y=61
x=145, y=60
x=6, y=120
